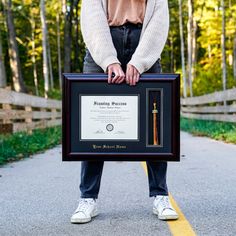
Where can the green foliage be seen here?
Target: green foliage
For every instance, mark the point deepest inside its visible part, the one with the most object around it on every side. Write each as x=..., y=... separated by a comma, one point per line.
x=19, y=145
x=217, y=130
x=27, y=23
x=207, y=14
x=210, y=80
x=55, y=94
x=170, y=60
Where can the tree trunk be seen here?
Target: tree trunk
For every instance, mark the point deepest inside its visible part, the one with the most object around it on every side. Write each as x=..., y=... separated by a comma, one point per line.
x=33, y=59
x=67, y=37
x=17, y=77
x=50, y=63
x=76, y=19
x=190, y=27
x=171, y=55
x=59, y=50
x=234, y=64
x=209, y=51
x=44, y=45
x=194, y=49
x=182, y=48
x=3, y=78
x=223, y=46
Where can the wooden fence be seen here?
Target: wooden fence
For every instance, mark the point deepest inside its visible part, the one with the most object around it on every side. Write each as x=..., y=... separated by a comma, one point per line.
x=220, y=106
x=23, y=112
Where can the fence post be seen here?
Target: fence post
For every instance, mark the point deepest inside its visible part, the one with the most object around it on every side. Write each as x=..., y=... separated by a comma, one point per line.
x=29, y=120
x=54, y=112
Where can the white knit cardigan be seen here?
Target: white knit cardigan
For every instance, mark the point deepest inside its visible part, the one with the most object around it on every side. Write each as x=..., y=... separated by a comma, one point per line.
x=98, y=40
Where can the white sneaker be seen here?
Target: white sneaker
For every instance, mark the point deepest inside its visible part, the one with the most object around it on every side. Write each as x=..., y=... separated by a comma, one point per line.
x=163, y=208
x=86, y=209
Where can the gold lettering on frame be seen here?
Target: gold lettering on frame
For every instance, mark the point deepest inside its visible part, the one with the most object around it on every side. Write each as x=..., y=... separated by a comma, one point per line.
x=96, y=146
x=121, y=147
x=106, y=146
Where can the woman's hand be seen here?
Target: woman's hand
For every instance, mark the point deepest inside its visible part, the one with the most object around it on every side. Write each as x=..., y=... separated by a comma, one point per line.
x=132, y=75
x=116, y=70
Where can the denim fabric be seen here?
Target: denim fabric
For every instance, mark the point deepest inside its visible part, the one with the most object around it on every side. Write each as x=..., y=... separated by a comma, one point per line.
x=125, y=39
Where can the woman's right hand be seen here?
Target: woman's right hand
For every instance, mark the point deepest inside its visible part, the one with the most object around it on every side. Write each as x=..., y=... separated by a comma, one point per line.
x=116, y=70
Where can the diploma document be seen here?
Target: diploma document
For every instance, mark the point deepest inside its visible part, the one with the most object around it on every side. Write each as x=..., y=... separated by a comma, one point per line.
x=109, y=117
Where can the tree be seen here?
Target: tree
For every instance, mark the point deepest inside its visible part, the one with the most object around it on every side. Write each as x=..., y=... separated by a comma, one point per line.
x=3, y=79
x=223, y=38
x=50, y=62
x=190, y=44
x=234, y=48
x=182, y=49
x=59, y=50
x=44, y=45
x=194, y=48
x=76, y=41
x=68, y=35
x=33, y=54
x=17, y=77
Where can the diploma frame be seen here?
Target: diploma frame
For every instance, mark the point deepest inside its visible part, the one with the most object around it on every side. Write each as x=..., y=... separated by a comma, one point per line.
x=77, y=84
x=117, y=139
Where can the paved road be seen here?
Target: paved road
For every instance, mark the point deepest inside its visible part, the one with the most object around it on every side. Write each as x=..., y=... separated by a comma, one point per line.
x=39, y=194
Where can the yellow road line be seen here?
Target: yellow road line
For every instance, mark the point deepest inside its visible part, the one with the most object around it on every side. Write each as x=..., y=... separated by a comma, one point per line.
x=180, y=227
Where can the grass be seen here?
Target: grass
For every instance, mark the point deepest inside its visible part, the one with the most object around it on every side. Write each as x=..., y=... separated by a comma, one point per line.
x=19, y=145
x=223, y=131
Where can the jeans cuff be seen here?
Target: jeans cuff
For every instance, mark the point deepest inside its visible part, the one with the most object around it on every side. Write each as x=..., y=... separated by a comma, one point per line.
x=89, y=196
x=153, y=194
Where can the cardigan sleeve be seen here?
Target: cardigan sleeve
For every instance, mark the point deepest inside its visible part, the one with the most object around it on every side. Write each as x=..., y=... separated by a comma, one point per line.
x=153, y=39
x=96, y=33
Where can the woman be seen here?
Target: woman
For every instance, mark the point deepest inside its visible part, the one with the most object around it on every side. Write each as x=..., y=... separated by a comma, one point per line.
x=123, y=38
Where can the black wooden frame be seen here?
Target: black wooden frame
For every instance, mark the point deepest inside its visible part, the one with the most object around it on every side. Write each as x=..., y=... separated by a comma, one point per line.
x=68, y=155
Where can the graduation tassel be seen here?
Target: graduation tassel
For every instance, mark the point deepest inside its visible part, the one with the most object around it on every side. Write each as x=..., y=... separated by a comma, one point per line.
x=155, y=131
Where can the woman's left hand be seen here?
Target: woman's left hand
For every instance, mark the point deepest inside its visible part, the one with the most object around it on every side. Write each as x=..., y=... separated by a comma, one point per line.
x=132, y=75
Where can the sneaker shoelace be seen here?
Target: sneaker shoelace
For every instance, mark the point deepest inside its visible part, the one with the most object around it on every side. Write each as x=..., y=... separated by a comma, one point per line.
x=164, y=201
x=84, y=204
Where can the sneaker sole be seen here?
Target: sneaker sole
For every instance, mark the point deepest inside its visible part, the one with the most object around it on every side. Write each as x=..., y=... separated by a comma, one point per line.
x=168, y=217
x=81, y=221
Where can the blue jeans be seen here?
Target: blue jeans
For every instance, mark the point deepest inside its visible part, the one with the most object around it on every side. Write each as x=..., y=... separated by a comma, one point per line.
x=125, y=39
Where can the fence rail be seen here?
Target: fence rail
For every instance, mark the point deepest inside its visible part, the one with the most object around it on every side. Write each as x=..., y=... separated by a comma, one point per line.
x=220, y=106
x=24, y=112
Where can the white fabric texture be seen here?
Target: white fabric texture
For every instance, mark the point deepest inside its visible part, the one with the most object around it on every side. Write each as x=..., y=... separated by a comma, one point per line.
x=97, y=37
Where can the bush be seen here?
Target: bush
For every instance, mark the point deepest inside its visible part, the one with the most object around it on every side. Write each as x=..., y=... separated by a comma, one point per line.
x=19, y=145
x=224, y=131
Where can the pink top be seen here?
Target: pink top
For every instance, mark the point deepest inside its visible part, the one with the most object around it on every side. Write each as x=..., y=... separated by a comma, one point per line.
x=122, y=11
